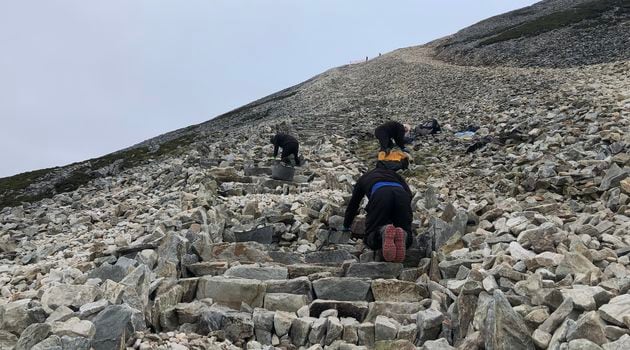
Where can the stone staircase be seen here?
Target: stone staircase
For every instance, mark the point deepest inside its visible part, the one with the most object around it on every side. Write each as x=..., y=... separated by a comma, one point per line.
x=267, y=284
x=248, y=292
x=330, y=292
x=336, y=294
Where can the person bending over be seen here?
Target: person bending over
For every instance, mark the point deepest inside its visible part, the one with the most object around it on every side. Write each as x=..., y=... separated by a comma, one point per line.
x=389, y=215
x=290, y=146
x=389, y=131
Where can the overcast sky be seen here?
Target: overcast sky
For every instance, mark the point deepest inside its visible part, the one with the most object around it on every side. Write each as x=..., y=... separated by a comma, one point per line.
x=80, y=79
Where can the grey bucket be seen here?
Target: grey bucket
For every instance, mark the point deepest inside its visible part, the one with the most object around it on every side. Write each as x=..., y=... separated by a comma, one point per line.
x=281, y=171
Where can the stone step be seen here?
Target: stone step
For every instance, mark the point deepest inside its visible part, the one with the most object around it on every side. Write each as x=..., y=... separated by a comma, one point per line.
x=299, y=285
x=342, y=288
x=300, y=270
x=244, y=252
x=263, y=235
x=232, y=292
x=337, y=256
x=287, y=258
x=257, y=272
x=250, y=284
x=373, y=270
x=257, y=171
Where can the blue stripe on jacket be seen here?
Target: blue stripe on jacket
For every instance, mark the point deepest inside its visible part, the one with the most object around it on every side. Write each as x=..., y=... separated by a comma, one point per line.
x=380, y=184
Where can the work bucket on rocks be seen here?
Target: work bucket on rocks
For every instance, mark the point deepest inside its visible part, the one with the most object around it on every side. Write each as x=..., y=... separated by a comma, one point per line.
x=281, y=171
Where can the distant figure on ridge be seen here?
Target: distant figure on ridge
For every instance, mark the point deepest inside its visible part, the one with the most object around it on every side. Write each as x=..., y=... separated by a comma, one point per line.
x=289, y=145
x=391, y=130
x=389, y=215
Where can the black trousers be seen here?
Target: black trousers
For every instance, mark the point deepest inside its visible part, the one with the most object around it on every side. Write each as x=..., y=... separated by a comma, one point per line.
x=384, y=139
x=388, y=205
x=288, y=150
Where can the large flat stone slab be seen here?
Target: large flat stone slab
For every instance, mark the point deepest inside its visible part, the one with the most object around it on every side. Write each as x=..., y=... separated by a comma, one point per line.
x=257, y=272
x=328, y=257
x=232, y=291
x=263, y=235
x=300, y=285
x=398, y=291
x=212, y=268
x=69, y=295
x=374, y=270
x=285, y=301
x=302, y=270
x=341, y=288
x=287, y=258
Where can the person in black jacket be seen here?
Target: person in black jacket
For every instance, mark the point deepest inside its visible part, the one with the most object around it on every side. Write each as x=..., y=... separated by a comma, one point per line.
x=289, y=145
x=389, y=216
x=391, y=130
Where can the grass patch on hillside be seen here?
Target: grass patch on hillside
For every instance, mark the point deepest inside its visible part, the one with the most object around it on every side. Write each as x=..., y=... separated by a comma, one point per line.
x=22, y=180
x=588, y=11
x=72, y=182
x=12, y=188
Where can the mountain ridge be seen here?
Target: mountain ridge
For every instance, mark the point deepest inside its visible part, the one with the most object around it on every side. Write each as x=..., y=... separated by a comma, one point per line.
x=546, y=34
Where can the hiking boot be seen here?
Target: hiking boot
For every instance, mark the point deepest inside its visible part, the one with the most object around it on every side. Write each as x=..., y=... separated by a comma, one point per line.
x=388, y=235
x=399, y=240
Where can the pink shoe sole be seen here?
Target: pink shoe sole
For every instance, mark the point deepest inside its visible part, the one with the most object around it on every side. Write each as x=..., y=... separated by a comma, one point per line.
x=389, y=245
x=399, y=241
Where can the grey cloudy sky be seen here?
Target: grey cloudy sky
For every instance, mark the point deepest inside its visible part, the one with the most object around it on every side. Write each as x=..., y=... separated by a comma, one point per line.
x=80, y=79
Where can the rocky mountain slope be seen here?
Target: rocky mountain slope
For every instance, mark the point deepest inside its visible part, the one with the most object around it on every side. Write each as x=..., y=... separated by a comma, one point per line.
x=185, y=242
x=555, y=33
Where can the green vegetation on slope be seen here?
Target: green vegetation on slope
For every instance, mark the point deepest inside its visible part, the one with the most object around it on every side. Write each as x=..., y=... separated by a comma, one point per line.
x=13, y=189
x=588, y=11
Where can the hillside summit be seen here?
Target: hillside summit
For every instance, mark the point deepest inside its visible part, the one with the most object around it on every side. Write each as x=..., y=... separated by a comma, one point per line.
x=521, y=228
x=557, y=33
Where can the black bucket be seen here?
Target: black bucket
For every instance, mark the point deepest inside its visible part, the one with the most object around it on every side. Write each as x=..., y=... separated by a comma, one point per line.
x=281, y=171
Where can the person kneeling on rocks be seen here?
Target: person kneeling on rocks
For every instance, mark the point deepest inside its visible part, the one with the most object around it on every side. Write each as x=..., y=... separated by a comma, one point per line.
x=391, y=130
x=389, y=216
x=289, y=145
